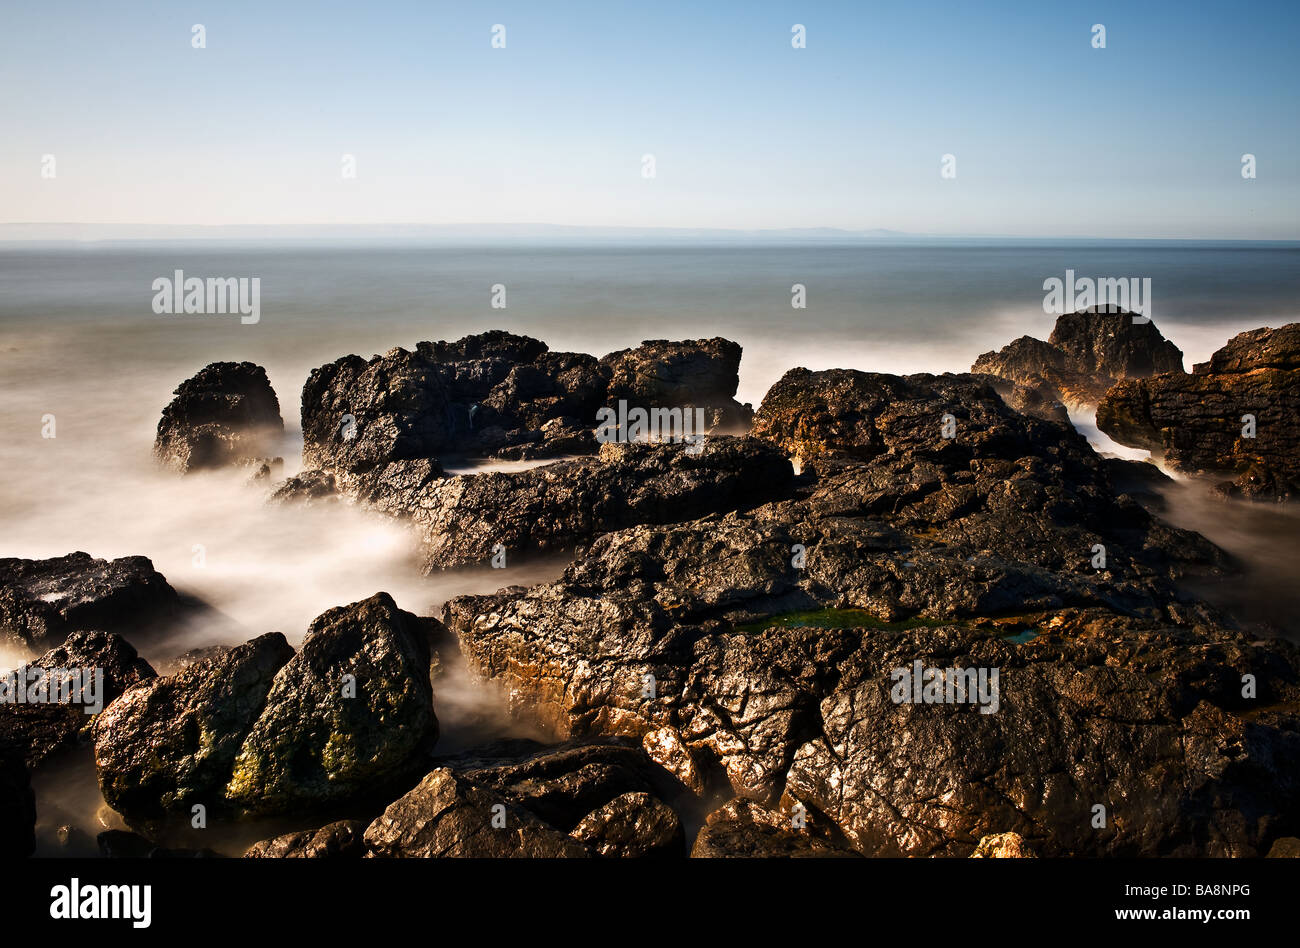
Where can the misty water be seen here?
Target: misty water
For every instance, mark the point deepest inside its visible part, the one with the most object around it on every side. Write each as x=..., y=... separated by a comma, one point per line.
x=79, y=341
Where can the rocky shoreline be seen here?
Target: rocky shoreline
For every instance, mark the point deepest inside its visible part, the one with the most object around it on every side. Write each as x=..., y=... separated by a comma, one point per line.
x=719, y=665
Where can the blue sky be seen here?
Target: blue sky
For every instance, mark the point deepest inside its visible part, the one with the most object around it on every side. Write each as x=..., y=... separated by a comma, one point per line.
x=1052, y=137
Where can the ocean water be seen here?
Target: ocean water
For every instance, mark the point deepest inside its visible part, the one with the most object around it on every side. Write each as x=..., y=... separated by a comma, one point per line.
x=79, y=340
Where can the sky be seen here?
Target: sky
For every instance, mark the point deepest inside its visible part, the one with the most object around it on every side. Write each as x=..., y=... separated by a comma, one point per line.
x=1051, y=136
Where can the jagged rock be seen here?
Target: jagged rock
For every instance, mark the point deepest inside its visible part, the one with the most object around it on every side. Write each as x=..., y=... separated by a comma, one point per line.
x=42, y=602
x=743, y=829
x=260, y=729
x=322, y=736
x=634, y=825
x=37, y=731
x=564, y=783
x=665, y=747
x=765, y=639
x=480, y=395
x=448, y=816
x=1087, y=352
x=17, y=808
x=169, y=743
x=306, y=488
x=463, y=519
x=703, y=373
x=344, y=839
x=1002, y=846
x=227, y=414
x=1196, y=423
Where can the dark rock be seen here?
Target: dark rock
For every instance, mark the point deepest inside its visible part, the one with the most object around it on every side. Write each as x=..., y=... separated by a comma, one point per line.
x=307, y=487
x=344, y=839
x=37, y=731
x=562, y=784
x=448, y=816
x=170, y=743
x=480, y=395
x=320, y=738
x=227, y=414
x=42, y=602
x=1087, y=352
x=634, y=825
x=703, y=373
x=17, y=808
x=545, y=509
x=1196, y=423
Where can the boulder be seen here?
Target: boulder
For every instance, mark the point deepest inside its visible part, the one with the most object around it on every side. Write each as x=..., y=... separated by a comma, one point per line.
x=743, y=829
x=1002, y=846
x=634, y=825
x=448, y=816
x=350, y=714
x=225, y=415
x=700, y=373
x=344, y=839
x=1087, y=352
x=170, y=743
x=42, y=602
x=260, y=730
x=1198, y=423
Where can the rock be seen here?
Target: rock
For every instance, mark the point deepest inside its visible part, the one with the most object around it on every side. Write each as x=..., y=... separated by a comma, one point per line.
x=38, y=731
x=634, y=825
x=1197, y=423
x=447, y=816
x=743, y=829
x=43, y=601
x=665, y=747
x=1087, y=352
x=703, y=373
x=762, y=642
x=307, y=487
x=480, y=395
x=169, y=743
x=323, y=737
x=563, y=783
x=464, y=519
x=1002, y=846
x=262, y=730
x=227, y=414
x=1288, y=847
x=344, y=839
x=17, y=808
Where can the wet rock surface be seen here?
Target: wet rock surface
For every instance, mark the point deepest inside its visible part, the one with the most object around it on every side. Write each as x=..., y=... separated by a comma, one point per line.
x=225, y=415
x=43, y=601
x=761, y=645
x=344, y=839
x=468, y=519
x=1197, y=423
x=263, y=730
x=1087, y=352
